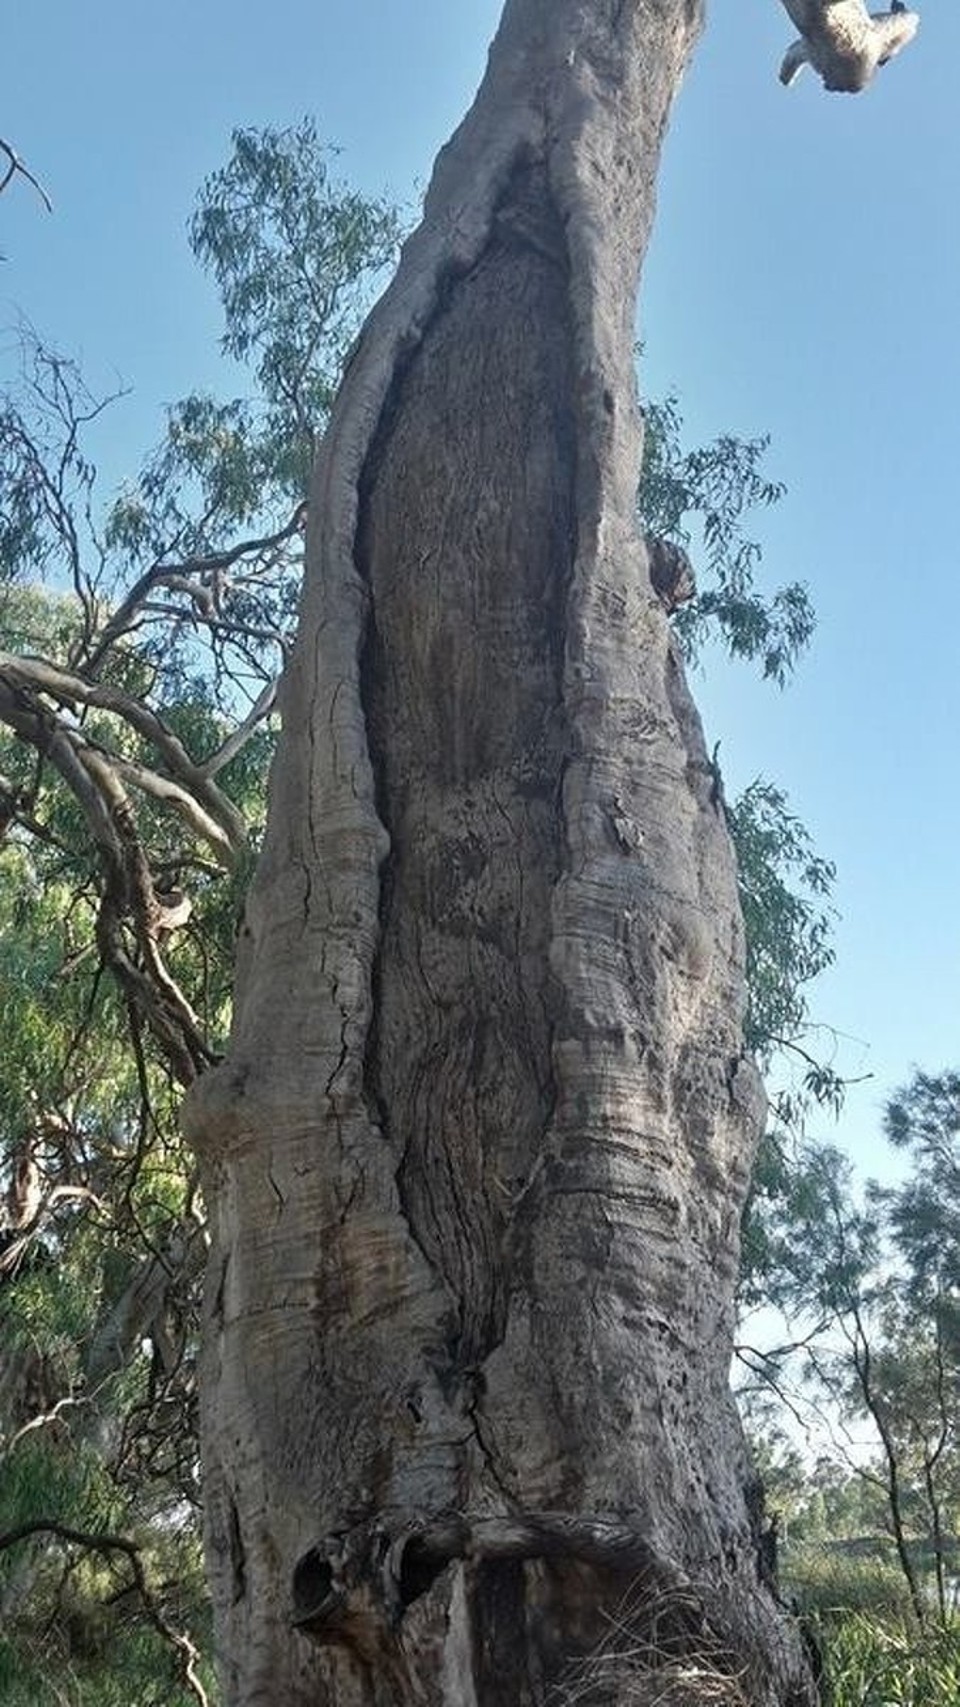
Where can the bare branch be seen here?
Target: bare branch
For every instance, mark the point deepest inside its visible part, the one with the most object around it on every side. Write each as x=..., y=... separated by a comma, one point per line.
x=44, y=1419
x=843, y=42
x=215, y=817
x=140, y=1310
x=239, y=737
x=14, y=166
x=128, y=890
x=199, y=578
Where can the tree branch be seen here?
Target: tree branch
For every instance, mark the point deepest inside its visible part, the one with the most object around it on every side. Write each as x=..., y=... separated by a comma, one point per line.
x=188, y=1654
x=128, y=891
x=214, y=817
x=844, y=43
x=199, y=577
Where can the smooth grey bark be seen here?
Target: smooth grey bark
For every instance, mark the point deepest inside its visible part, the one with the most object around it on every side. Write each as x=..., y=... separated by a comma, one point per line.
x=476, y=1160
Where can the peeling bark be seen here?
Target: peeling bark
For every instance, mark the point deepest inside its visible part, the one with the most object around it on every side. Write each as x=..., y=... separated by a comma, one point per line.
x=476, y=1159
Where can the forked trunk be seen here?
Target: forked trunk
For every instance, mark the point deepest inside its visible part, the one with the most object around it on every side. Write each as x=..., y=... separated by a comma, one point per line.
x=476, y=1161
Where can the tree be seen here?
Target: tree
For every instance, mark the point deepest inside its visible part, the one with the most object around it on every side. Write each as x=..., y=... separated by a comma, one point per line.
x=699, y=498
x=181, y=591
x=875, y=1287
x=475, y=1161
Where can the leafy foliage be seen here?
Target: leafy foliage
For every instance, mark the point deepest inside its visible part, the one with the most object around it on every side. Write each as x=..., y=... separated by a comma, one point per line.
x=293, y=258
x=783, y=885
x=706, y=492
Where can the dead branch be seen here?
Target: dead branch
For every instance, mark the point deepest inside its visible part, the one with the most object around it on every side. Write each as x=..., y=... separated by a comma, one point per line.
x=14, y=166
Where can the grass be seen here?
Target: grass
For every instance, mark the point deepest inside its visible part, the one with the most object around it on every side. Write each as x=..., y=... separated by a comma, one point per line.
x=827, y=1583
x=874, y=1662
x=874, y=1652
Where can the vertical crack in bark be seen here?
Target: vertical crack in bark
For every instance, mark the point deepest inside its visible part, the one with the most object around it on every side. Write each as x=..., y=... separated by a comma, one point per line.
x=466, y=540
x=238, y=1563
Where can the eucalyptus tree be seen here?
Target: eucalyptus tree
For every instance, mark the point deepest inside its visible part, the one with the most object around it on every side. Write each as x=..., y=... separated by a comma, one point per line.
x=136, y=701
x=475, y=1160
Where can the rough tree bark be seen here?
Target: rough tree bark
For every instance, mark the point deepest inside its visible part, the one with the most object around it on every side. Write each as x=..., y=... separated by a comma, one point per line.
x=476, y=1160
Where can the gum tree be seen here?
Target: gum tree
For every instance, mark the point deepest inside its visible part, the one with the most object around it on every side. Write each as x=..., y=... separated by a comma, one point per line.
x=476, y=1159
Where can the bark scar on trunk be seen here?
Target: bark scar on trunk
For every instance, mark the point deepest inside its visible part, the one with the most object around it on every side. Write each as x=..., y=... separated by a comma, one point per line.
x=459, y=1056
x=346, y=1564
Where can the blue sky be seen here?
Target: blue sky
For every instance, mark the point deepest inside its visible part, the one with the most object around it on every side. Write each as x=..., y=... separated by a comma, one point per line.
x=802, y=281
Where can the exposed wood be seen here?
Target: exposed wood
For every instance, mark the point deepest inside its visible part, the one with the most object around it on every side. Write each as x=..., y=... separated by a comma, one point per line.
x=844, y=43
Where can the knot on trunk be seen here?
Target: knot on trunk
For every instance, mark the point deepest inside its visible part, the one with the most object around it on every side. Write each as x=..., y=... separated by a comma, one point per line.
x=671, y=572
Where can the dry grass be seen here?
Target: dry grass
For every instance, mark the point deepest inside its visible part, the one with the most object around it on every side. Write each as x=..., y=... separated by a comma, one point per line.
x=657, y=1652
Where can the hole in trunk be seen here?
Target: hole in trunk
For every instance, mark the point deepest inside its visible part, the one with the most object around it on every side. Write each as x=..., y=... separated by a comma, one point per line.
x=418, y=1569
x=312, y=1585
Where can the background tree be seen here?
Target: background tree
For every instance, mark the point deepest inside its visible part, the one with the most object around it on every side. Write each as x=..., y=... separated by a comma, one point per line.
x=872, y=1288
x=704, y=493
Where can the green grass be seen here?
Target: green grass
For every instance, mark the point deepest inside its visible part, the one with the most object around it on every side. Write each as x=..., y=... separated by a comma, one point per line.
x=108, y=1667
x=857, y=1607
x=873, y=1662
x=828, y=1582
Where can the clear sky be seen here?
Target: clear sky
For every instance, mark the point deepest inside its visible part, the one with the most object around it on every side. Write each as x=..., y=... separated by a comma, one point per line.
x=802, y=281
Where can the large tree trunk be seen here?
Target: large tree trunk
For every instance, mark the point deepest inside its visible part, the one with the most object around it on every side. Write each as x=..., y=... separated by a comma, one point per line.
x=476, y=1161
